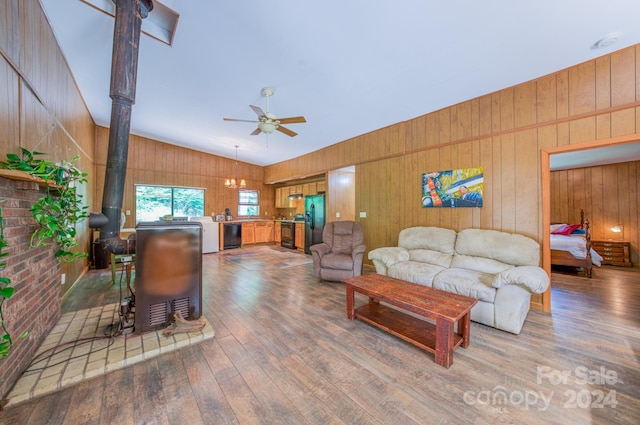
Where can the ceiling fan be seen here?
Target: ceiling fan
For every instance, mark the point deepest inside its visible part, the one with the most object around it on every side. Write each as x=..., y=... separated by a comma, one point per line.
x=267, y=122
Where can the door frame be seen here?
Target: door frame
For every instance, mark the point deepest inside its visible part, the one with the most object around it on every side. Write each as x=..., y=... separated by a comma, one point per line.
x=546, y=195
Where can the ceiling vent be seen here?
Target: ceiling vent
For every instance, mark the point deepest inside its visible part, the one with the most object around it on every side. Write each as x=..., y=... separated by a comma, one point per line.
x=605, y=42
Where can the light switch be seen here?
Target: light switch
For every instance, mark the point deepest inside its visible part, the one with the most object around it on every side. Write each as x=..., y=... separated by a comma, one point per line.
x=363, y=214
x=128, y=212
x=337, y=215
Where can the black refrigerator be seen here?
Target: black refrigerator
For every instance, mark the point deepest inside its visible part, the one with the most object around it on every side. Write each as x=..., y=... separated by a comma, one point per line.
x=314, y=216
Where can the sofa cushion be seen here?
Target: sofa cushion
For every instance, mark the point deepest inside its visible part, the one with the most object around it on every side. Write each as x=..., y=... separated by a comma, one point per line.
x=431, y=257
x=471, y=283
x=508, y=248
x=430, y=240
x=415, y=271
x=479, y=264
x=435, y=238
x=337, y=261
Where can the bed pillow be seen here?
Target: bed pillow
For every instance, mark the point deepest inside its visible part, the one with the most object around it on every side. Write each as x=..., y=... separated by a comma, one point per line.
x=565, y=229
x=579, y=231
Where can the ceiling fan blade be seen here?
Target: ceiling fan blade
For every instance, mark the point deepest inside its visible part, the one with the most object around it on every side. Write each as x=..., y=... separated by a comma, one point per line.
x=258, y=110
x=286, y=131
x=256, y=131
x=291, y=120
x=234, y=119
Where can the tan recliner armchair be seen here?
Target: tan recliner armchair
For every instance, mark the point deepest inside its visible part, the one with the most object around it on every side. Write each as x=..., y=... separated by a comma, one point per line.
x=341, y=252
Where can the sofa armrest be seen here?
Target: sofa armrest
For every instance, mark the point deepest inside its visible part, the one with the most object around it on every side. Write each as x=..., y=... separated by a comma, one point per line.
x=535, y=279
x=389, y=255
x=320, y=249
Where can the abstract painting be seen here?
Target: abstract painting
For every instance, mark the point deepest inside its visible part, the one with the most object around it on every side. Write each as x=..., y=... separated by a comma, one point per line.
x=453, y=188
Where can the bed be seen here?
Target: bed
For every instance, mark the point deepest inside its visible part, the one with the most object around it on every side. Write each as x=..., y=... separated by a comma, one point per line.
x=572, y=247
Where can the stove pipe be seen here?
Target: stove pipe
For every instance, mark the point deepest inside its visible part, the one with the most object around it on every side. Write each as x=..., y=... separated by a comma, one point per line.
x=124, y=67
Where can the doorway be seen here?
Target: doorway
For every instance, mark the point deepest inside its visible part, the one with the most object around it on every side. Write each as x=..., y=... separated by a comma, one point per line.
x=341, y=202
x=545, y=164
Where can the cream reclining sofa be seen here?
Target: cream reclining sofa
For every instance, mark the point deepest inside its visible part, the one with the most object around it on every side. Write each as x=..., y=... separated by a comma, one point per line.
x=499, y=269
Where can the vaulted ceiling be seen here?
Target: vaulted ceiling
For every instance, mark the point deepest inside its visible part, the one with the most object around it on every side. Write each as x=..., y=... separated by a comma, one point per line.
x=349, y=67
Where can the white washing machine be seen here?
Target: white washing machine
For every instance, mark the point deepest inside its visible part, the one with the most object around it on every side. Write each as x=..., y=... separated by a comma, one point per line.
x=210, y=230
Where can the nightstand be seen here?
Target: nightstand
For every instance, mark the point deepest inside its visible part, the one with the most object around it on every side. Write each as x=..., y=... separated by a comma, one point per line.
x=616, y=253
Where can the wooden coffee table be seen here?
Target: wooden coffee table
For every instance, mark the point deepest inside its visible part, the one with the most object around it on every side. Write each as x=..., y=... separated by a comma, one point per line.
x=444, y=307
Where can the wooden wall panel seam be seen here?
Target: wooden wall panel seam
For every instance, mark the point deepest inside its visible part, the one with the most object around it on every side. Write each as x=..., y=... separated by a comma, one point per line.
x=26, y=83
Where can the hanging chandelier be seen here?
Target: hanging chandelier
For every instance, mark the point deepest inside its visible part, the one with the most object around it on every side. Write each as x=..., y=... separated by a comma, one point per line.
x=231, y=183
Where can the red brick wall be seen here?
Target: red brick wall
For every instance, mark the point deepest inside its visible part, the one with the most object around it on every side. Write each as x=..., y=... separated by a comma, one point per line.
x=35, y=275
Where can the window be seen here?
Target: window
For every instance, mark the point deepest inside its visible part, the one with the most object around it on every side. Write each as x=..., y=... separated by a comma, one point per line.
x=153, y=202
x=248, y=203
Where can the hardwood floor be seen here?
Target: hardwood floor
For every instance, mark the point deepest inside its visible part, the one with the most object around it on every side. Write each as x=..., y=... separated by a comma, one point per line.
x=285, y=353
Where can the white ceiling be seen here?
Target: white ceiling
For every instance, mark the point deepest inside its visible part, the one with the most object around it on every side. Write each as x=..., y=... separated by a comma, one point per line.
x=350, y=67
x=596, y=156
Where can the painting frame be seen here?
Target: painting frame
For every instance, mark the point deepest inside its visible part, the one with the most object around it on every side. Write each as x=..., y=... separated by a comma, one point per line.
x=456, y=188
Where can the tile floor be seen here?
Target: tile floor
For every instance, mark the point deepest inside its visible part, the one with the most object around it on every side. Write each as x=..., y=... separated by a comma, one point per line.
x=94, y=353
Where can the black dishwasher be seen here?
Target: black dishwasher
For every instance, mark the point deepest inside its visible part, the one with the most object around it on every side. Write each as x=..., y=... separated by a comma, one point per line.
x=232, y=235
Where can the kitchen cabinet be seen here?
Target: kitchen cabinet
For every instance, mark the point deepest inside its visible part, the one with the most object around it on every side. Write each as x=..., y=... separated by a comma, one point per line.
x=264, y=232
x=309, y=188
x=248, y=233
x=261, y=233
x=270, y=231
x=284, y=197
x=258, y=232
x=300, y=235
x=277, y=232
x=282, y=193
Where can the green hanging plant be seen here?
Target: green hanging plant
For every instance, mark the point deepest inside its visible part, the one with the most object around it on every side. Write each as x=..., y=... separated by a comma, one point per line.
x=56, y=213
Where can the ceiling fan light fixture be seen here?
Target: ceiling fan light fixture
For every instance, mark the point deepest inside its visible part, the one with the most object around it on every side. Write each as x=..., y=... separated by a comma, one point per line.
x=267, y=121
x=267, y=127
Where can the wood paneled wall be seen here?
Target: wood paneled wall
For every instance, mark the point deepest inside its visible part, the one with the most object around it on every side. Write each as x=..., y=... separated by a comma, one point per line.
x=154, y=162
x=380, y=144
x=608, y=195
x=341, y=196
x=40, y=106
x=40, y=110
x=505, y=132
